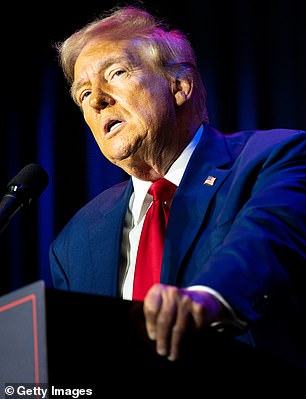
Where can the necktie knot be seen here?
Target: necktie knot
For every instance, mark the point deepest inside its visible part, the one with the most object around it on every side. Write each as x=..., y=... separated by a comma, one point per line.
x=162, y=190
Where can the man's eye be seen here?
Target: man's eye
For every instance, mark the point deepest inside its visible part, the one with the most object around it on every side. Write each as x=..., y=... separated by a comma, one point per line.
x=84, y=95
x=118, y=73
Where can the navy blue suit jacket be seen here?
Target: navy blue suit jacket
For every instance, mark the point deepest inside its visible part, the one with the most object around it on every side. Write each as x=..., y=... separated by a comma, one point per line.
x=244, y=235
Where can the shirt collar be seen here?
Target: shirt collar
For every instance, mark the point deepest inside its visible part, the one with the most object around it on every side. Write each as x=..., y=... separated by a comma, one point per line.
x=177, y=169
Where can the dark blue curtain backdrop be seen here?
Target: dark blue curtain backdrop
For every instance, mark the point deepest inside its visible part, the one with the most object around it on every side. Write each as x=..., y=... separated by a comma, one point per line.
x=251, y=54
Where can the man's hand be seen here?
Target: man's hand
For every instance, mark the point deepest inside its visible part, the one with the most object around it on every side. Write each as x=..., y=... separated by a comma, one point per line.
x=171, y=311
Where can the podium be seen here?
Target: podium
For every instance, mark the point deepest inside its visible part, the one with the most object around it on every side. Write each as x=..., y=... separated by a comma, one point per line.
x=68, y=340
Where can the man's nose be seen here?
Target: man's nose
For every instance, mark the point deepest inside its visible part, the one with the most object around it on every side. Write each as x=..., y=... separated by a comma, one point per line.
x=100, y=100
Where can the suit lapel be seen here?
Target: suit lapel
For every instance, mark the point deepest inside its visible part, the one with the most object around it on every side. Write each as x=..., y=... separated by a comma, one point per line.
x=203, y=177
x=105, y=234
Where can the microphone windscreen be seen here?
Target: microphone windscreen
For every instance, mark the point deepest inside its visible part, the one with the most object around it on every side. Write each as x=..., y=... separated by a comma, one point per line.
x=30, y=182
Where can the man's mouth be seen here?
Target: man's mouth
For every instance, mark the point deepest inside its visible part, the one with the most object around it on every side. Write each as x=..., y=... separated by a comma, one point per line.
x=111, y=125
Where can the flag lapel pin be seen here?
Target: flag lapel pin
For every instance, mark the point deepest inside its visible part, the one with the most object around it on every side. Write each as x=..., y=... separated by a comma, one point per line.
x=210, y=180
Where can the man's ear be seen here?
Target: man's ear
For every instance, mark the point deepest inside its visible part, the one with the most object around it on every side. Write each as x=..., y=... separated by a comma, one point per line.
x=182, y=89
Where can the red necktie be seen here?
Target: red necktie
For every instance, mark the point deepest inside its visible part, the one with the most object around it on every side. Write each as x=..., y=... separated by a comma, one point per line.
x=151, y=244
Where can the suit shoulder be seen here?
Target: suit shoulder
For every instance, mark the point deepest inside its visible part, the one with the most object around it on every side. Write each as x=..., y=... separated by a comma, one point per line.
x=98, y=206
x=108, y=196
x=266, y=140
x=272, y=135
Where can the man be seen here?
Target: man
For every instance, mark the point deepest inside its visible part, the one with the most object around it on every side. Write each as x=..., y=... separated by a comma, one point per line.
x=234, y=253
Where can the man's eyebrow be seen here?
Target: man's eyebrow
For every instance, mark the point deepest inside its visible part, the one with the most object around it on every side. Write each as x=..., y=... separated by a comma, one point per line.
x=76, y=85
x=103, y=64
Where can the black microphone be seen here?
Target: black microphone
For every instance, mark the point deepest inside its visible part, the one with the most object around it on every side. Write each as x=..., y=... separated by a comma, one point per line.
x=26, y=186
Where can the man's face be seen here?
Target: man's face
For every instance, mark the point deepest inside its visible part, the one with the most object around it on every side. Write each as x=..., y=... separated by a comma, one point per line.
x=128, y=105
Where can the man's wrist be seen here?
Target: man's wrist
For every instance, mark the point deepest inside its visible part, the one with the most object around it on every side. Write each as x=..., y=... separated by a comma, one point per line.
x=227, y=317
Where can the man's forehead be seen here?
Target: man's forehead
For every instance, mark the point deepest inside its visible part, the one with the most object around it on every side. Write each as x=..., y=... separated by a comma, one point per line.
x=109, y=47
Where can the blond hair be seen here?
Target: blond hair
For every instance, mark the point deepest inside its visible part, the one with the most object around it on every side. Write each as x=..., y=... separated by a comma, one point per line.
x=169, y=50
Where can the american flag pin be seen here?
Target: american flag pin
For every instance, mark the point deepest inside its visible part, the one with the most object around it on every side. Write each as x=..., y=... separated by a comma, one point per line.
x=210, y=180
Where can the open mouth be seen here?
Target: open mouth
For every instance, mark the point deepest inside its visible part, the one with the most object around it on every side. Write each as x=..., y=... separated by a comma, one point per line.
x=112, y=125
